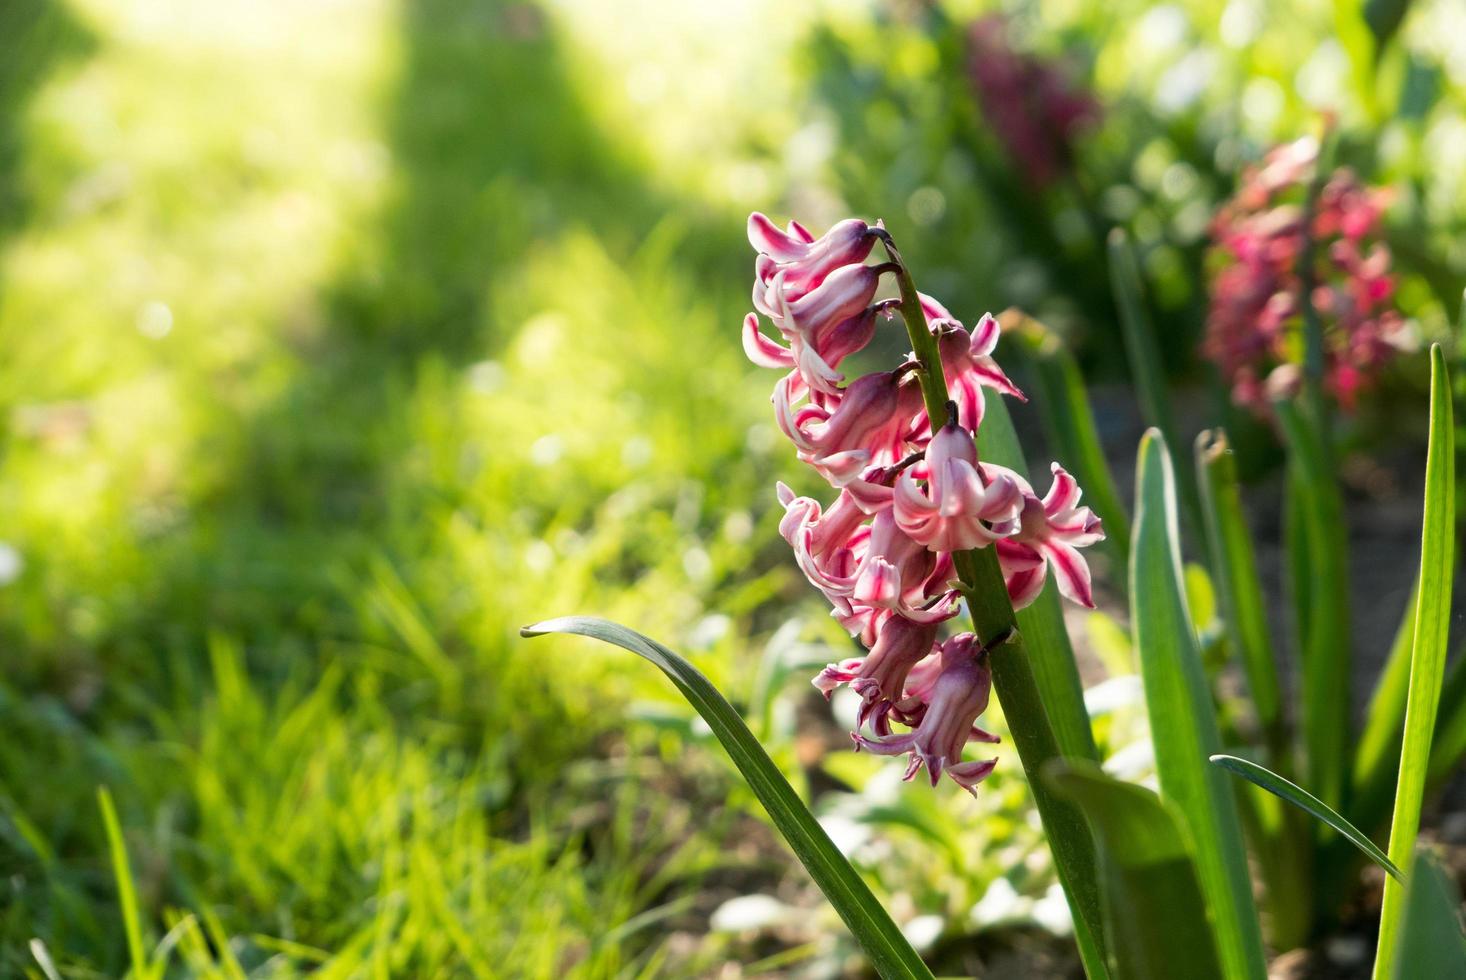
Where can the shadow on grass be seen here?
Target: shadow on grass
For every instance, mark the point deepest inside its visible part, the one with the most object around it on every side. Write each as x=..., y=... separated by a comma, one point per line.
x=492, y=152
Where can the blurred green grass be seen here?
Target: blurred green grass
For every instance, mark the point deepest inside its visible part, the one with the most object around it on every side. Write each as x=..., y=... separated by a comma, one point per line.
x=339, y=343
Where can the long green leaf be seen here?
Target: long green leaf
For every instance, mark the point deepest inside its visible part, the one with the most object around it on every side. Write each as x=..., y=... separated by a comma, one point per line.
x=1038, y=687
x=1239, y=589
x=1182, y=717
x=1431, y=944
x=1432, y=632
x=882, y=940
x=1298, y=796
x=1321, y=575
x=1068, y=419
x=1154, y=910
x=1146, y=368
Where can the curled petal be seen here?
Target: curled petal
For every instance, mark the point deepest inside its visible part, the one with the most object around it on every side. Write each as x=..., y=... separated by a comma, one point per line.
x=761, y=350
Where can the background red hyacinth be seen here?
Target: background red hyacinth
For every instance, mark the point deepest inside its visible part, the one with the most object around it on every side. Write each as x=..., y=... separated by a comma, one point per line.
x=1276, y=230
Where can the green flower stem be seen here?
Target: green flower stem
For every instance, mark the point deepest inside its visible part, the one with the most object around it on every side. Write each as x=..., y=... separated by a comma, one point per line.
x=1014, y=680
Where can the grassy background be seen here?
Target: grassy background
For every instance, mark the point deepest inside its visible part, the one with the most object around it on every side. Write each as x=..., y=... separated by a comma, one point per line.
x=342, y=339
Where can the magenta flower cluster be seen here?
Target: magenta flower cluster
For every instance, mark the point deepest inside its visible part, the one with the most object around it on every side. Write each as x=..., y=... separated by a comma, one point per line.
x=907, y=498
x=1035, y=110
x=1255, y=323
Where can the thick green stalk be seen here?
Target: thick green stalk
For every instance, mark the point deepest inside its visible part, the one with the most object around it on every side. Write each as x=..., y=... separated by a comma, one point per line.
x=1018, y=687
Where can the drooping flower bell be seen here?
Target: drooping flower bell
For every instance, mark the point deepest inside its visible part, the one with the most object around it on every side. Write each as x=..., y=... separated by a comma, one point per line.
x=866, y=428
x=960, y=508
x=948, y=720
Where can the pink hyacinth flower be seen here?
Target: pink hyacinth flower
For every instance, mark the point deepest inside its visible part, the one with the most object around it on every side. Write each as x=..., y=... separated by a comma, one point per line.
x=825, y=543
x=822, y=327
x=880, y=676
x=898, y=574
x=958, y=697
x=805, y=260
x=866, y=428
x=958, y=506
x=1049, y=533
x=967, y=361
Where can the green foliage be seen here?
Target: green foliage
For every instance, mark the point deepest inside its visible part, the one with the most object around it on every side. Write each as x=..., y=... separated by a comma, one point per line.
x=1182, y=717
x=1318, y=561
x=1238, y=586
x=1430, y=942
x=1306, y=801
x=1428, y=649
x=1154, y=909
x=889, y=951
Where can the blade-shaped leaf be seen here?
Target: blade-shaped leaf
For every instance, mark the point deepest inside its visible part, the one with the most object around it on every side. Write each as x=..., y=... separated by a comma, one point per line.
x=1320, y=573
x=1042, y=622
x=1428, y=657
x=1144, y=356
x=882, y=940
x=1238, y=587
x=1063, y=404
x=1154, y=911
x=126, y=891
x=1043, y=701
x=1430, y=944
x=1304, y=800
x=1182, y=717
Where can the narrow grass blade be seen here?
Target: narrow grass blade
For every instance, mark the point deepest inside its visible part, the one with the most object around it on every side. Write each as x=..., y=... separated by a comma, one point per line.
x=126, y=891
x=1428, y=658
x=882, y=940
x=1068, y=420
x=1182, y=717
x=1239, y=590
x=1146, y=368
x=1304, y=800
x=1431, y=944
x=1319, y=564
x=1154, y=909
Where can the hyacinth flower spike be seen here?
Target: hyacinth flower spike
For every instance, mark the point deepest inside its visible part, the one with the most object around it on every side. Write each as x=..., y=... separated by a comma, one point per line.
x=959, y=695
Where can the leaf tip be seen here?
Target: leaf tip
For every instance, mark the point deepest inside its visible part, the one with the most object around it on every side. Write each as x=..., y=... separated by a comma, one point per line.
x=532, y=630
